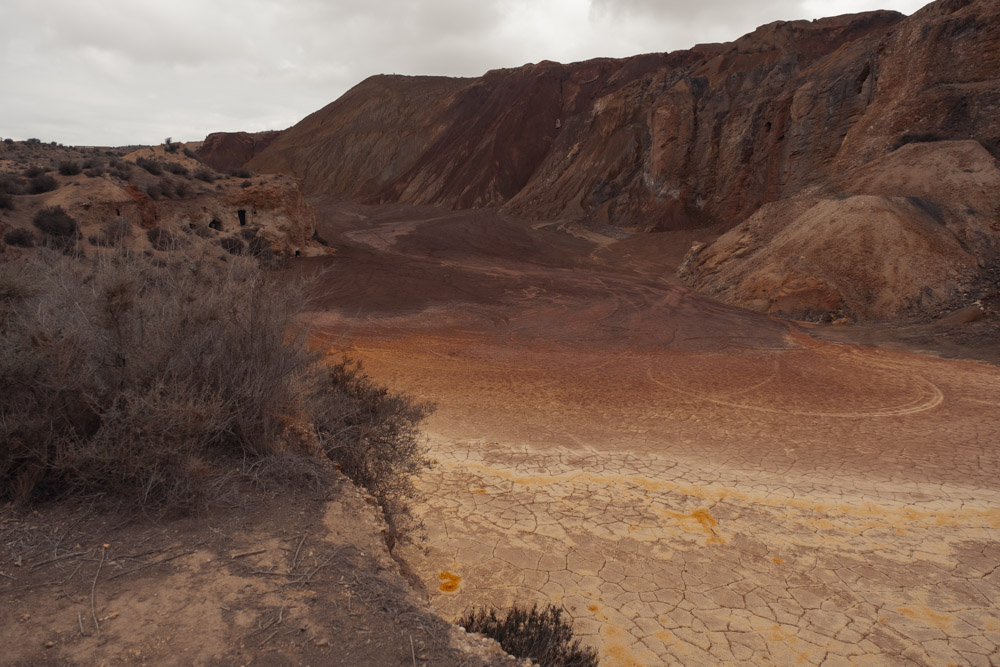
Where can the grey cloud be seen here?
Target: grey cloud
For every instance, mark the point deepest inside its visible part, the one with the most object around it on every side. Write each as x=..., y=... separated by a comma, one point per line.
x=129, y=71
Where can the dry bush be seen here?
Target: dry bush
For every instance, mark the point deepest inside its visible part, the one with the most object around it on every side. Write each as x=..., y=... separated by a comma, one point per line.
x=126, y=378
x=372, y=433
x=42, y=183
x=541, y=635
x=164, y=239
x=69, y=168
x=113, y=232
x=12, y=184
x=6, y=201
x=176, y=168
x=232, y=245
x=150, y=165
x=21, y=238
x=172, y=384
x=59, y=227
x=167, y=188
x=205, y=174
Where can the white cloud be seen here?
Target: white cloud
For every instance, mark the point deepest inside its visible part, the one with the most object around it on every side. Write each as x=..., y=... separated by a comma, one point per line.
x=135, y=71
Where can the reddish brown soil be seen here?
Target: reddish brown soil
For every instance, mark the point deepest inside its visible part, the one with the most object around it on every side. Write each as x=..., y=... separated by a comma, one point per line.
x=692, y=482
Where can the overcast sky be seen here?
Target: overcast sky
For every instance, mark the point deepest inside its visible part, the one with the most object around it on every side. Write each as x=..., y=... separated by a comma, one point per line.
x=114, y=72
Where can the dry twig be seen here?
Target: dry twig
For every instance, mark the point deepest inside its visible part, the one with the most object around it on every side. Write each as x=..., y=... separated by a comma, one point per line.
x=93, y=590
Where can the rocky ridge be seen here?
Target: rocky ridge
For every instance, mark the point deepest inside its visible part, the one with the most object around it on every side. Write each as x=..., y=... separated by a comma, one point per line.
x=685, y=140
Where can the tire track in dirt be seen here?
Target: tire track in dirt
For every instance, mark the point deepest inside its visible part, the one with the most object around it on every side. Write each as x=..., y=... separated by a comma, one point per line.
x=692, y=483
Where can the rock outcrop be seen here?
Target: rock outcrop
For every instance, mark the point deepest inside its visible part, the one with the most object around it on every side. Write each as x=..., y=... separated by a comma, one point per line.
x=225, y=151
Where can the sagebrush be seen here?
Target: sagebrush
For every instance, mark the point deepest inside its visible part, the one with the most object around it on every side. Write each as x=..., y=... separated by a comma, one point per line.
x=173, y=384
x=539, y=634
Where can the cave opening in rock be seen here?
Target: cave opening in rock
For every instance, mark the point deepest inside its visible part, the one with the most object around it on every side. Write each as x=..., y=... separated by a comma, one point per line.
x=243, y=217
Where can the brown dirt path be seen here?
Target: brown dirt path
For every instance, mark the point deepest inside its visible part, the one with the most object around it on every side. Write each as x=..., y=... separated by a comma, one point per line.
x=693, y=483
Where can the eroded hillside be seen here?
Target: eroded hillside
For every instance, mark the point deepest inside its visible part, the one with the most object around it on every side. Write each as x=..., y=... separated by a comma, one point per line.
x=692, y=139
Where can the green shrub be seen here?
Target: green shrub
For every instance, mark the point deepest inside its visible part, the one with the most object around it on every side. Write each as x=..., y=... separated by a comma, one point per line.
x=542, y=636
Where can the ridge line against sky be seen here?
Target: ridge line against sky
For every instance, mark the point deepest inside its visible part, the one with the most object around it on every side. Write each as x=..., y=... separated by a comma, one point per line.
x=116, y=72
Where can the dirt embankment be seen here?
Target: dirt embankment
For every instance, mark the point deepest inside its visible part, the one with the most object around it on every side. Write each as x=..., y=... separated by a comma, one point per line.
x=303, y=578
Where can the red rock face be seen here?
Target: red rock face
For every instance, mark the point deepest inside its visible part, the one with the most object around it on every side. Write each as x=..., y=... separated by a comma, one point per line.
x=683, y=140
x=224, y=151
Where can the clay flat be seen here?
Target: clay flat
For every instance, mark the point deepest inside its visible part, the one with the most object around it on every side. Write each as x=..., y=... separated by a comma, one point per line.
x=692, y=482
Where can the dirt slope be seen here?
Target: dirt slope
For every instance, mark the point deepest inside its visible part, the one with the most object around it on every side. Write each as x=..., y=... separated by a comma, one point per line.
x=662, y=140
x=909, y=233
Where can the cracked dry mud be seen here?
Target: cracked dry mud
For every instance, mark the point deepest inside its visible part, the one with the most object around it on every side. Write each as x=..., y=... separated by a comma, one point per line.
x=693, y=483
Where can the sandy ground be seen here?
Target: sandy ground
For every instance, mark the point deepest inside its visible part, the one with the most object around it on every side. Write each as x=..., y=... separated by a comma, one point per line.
x=694, y=483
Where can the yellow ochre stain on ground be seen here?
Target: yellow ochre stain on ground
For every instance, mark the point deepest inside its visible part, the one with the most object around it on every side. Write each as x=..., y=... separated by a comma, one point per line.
x=479, y=491
x=927, y=615
x=615, y=649
x=593, y=607
x=449, y=582
x=777, y=560
x=972, y=517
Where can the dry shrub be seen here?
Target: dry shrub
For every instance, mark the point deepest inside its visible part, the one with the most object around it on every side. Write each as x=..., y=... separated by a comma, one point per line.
x=152, y=166
x=42, y=183
x=60, y=228
x=205, y=174
x=6, y=200
x=232, y=245
x=113, y=232
x=372, y=433
x=541, y=635
x=21, y=238
x=152, y=383
x=12, y=184
x=164, y=239
x=171, y=384
x=69, y=168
